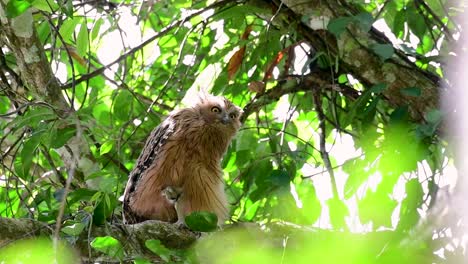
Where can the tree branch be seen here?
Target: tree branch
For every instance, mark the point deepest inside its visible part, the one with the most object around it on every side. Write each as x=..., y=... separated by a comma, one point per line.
x=34, y=68
x=132, y=237
x=360, y=60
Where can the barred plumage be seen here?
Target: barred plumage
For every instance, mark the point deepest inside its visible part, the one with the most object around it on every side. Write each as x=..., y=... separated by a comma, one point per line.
x=183, y=153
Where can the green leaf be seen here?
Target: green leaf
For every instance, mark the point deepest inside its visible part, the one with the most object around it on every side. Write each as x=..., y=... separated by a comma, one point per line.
x=67, y=28
x=385, y=51
x=416, y=23
x=279, y=178
x=82, y=39
x=96, y=28
x=27, y=153
x=246, y=139
x=364, y=20
x=45, y=5
x=409, y=215
x=67, y=8
x=168, y=41
x=74, y=229
x=109, y=246
x=338, y=25
x=311, y=206
x=360, y=104
x=4, y=104
x=61, y=136
x=411, y=91
x=15, y=8
x=123, y=105
x=104, y=208
x=159, y=249
x=399, y=23
x=80, y=195
x=378, y=208
x=338, y=211
x=357, y=175
x=106, y=147
x=202, y=221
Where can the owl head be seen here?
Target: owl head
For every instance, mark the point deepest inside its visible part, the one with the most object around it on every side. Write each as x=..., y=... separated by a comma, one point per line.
x=219, y=112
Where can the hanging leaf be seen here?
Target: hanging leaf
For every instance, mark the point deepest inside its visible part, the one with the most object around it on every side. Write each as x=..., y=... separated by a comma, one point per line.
x=236, y=60
x=272, y=65
x=416, y=22
x=82, y=39
x=399, y=23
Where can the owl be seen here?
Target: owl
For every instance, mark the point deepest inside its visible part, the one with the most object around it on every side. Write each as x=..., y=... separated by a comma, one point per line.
x=178, y=171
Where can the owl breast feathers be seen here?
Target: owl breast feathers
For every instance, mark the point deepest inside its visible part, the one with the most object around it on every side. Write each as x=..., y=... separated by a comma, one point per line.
x=178, y=171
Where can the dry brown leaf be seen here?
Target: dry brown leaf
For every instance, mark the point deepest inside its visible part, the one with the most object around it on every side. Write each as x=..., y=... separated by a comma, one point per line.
x=236, y=60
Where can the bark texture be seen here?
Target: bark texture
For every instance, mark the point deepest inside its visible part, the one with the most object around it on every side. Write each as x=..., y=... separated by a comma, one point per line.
x=354, y=52
x=20, y=36
x=132, y=237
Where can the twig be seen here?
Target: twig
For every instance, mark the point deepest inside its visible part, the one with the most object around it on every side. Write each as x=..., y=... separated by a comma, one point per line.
x=148, y=41
x=323, y=150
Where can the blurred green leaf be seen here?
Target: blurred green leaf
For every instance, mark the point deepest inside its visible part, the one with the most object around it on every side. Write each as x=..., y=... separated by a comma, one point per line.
x=4, y=104
x=109, y=246
x=15, y=8
x=159, y=249
x=364, y=20
x=82, y=39
x=44, y=5
x=338, y=210
x=74, y=230
x=338, y=25
x=123, y=105
x=202, y=221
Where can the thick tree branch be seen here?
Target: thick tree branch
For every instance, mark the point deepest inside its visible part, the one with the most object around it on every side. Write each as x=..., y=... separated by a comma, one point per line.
x=355, y=56
x=315, y=80
x=20, y=36
x=132, y=237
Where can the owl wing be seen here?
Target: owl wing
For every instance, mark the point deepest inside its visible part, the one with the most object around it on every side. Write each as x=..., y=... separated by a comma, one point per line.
x=151, y=150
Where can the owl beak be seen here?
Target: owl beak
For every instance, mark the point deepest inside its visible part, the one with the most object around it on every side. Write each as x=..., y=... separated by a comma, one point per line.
x=225, y=119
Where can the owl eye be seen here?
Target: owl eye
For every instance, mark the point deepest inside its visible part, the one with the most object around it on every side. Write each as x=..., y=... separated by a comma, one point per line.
x=232, y=116
x=215, y=109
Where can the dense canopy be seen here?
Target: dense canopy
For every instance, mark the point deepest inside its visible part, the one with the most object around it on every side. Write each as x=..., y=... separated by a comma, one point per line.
x=342, y=147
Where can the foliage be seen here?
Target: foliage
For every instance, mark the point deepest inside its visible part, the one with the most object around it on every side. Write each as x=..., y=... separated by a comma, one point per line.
x=123, y=65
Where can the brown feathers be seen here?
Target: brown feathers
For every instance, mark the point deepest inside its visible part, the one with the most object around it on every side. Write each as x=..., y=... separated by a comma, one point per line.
x=183, y=153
